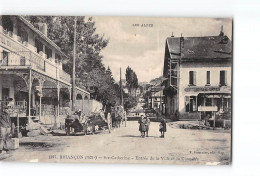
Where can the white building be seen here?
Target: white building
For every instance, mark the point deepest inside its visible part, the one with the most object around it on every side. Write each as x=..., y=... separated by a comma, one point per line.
x=199, y=76
x=31, y=73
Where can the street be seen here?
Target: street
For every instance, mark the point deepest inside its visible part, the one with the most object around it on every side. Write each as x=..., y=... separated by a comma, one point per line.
x=124, y=145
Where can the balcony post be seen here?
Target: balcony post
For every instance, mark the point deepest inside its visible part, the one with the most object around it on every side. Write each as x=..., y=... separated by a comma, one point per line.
x=29, y=92
x=41, y=93
x=58, y=106
x=40, y=109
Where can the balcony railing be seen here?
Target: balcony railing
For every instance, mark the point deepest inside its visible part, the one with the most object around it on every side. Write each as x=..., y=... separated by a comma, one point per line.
x=65, y=76
x=22, y=55
x=15, y=107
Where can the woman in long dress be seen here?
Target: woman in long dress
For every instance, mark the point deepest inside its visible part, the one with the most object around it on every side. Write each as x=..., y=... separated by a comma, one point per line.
x=142, y=128
x=162, y=127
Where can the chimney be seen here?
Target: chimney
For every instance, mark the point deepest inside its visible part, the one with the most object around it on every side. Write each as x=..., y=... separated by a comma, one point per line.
x=172, y=35
x=181, y=46
x=43, y=28
x=221, y=31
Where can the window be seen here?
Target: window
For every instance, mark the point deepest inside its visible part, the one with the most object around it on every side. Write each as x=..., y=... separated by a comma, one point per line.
x=57, y=57
x=208, y=102
x=5, y=94
x=223, y=78
x=23, y=35
x=190, y=104
x=208, y=77
x=48, y=52
x=192, y=78
x=38, y=45
x=4, y=58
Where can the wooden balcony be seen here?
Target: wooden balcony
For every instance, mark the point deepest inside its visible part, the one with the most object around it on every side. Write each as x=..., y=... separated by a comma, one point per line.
x=23, y=54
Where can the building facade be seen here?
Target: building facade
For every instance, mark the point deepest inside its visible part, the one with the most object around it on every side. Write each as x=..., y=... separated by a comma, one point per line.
x=156, y=98
x=32, y=80
x=198, y=77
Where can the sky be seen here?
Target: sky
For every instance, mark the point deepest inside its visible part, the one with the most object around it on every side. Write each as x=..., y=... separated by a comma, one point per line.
x=139, y=42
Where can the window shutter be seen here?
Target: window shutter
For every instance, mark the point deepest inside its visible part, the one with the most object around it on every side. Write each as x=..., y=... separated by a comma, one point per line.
x=225, y=79
x=208, y=77
x=194, y=78
x=190, y=78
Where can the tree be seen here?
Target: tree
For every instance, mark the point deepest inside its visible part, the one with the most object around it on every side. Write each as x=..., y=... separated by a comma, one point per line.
x=131, y=80
x=110, y=75
x=90, y=71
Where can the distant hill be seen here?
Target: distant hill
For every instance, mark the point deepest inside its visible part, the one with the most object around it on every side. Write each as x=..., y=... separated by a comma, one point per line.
x=156, y=81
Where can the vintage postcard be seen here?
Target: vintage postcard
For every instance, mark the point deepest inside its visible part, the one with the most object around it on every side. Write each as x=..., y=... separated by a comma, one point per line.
x=142, y=90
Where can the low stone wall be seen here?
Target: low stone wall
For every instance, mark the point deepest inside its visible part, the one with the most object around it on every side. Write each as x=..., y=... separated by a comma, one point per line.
x=88, y=106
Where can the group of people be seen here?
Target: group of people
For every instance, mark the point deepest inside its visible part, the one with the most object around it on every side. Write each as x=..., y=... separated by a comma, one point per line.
x=144, y=124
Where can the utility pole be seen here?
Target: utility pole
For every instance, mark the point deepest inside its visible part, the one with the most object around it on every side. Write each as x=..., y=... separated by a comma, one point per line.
x=121, y=92
x=74, y=66
x=122, y=98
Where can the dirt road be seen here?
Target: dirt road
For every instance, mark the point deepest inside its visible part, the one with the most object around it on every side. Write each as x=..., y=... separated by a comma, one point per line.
x=124, y=145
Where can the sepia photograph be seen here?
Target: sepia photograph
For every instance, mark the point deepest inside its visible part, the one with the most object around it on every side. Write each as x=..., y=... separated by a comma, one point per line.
x=116, y=89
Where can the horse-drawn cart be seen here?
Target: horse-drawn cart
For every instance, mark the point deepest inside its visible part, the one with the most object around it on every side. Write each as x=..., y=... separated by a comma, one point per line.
x=80, y=123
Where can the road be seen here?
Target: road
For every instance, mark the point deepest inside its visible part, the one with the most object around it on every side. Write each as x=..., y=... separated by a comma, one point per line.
x=124, y=145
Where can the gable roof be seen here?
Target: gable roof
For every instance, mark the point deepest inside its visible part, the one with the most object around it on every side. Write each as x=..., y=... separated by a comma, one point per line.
x=208, y=47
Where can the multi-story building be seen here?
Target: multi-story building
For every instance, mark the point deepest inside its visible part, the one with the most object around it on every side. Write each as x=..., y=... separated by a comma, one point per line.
x=156, y=98
x=31, y=75
x=198, y=72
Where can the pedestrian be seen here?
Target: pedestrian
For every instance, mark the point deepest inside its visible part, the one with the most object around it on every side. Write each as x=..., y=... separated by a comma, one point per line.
x=147, y=124
x=142, y=126
x=162, y=127
x=5, y=128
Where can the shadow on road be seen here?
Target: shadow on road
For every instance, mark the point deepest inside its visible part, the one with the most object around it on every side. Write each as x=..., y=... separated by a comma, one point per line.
x=133, y=136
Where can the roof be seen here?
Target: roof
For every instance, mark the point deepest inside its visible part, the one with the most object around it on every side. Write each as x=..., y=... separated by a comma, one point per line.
x=208, y=47
x=27, y=23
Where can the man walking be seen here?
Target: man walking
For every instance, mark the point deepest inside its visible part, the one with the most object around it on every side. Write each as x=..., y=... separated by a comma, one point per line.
x=5, y=128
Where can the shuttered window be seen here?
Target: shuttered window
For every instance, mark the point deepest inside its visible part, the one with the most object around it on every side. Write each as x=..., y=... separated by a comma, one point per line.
x=223, y=78
x=208, y=77
x=192, y=78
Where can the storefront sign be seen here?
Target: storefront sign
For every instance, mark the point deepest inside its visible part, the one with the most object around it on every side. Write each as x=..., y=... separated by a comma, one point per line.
x=208, y=108
x=204, y=88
